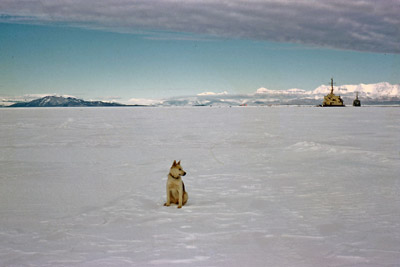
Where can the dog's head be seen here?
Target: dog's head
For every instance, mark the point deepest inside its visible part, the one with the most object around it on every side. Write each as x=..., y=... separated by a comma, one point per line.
x=176, y=169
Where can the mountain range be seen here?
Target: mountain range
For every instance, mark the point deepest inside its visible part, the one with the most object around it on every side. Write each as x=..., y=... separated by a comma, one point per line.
x=370, y=94
x=59, y=101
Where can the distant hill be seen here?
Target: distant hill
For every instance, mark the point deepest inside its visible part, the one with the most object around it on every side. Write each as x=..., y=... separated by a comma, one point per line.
x=59, y=101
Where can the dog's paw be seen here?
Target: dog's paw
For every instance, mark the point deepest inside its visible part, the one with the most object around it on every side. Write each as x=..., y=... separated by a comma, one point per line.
x=179, y=207
x=167, y=205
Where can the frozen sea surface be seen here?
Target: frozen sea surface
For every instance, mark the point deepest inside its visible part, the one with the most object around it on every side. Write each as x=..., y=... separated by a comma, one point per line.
x=268, y=186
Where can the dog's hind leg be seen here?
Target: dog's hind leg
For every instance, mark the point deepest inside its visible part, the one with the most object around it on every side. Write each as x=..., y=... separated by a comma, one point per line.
x=185, y=198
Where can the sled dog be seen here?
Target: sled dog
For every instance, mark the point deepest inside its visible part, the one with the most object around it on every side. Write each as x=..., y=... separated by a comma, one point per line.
x=176, y=193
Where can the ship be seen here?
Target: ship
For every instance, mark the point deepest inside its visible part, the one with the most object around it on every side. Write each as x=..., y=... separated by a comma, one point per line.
x=357, y=102
x=332, y=100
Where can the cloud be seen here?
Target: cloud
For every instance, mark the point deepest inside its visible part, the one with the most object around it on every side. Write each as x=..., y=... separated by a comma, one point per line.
x=143, y=101
x=293, y=91
x=212, y=93
x=367, y=25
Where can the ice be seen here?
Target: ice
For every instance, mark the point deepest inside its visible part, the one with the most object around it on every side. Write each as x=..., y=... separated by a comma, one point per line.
x=268, y=186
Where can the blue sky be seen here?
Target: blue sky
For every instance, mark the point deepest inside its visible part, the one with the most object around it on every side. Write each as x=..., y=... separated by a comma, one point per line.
x=107, y=56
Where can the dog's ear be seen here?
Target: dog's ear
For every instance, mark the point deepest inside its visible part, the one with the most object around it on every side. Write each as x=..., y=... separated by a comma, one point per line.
x=179, y=162
x=174, y=164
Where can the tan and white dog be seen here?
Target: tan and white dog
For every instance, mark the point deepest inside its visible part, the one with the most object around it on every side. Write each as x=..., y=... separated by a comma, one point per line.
x=176, y=193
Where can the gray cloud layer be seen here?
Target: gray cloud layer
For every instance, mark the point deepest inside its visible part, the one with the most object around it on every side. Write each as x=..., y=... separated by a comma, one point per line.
x=361, y=25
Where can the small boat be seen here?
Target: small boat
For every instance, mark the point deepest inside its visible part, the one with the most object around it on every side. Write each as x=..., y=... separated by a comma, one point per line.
x=357, y=102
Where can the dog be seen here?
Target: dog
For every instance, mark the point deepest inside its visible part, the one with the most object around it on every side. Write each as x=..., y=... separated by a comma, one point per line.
x=176, y=193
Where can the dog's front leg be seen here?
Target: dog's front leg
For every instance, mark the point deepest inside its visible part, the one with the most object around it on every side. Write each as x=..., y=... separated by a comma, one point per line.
x=180, y=198
x=168, y=198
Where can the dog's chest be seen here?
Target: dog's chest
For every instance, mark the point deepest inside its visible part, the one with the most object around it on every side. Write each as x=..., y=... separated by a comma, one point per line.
x=174, y=184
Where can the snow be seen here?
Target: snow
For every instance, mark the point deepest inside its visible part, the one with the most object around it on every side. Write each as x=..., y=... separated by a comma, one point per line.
x=293, y=91
x=143, y=101
x=212, y=93
x=376, y=90
x=268, y=186
x=370, y=94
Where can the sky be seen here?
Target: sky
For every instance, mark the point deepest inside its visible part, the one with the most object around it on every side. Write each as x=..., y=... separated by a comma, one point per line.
x=123, y=49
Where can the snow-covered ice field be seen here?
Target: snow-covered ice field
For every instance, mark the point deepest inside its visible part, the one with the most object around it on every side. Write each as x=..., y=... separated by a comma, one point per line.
x=268, y=186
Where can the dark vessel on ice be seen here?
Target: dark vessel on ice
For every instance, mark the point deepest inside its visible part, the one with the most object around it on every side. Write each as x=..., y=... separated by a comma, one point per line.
x=357, y=102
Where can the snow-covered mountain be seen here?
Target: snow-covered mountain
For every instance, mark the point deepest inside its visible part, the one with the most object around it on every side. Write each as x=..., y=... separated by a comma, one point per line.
x=379, y=93
x=294, y=91
x=377, y=90
x=59, y=101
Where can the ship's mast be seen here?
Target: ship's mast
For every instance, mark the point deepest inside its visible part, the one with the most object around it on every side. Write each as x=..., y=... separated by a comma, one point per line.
x=331, y=85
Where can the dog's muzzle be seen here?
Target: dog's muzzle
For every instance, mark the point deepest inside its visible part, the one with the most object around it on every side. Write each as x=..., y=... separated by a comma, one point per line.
x=184, y=174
